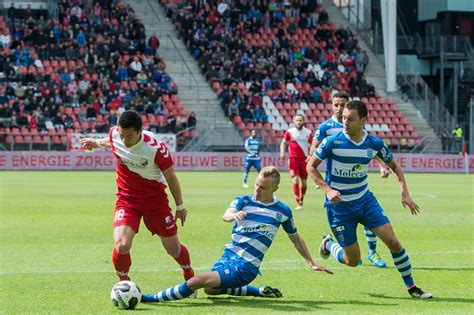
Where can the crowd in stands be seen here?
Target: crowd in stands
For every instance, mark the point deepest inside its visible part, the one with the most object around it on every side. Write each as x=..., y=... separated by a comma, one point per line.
x=79, y=71
x=287, y=51
x=271, y=43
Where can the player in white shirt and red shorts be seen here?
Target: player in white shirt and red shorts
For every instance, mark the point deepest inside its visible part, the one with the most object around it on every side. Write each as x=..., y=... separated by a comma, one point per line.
x=144, y=170
x=298, y=139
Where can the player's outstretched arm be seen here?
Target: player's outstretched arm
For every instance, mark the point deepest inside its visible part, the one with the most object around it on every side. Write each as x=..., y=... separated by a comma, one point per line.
x=384, y=170
x=333, y=195
x=406, y=199
x=304, y=251
x=231, y=215
x=175, y=188
x=91, y=143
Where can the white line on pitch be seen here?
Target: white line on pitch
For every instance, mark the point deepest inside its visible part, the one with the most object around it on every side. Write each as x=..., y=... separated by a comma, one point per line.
x=264, y=267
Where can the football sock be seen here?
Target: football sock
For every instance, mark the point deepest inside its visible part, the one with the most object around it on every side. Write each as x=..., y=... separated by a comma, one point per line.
x=122, y=263
x=336, y=251
x=185, y=262
x=296, y=192
x=303, y=191
x=402, y=262
x=371, y=240
x=246, y=174
x=247, y=290
x=181, y=291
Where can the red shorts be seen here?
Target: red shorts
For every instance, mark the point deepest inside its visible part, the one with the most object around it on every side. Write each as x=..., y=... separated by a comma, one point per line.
x=297, y=167
x=158, y=219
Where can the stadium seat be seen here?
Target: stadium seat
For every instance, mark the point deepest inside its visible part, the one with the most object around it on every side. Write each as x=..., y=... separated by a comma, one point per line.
x=246, y=133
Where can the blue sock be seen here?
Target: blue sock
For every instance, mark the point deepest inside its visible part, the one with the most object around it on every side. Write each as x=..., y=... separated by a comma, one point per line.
x=336, y=251
x=178, y=292
x=246, y=174
x=402, y=262
x=247, y=290
x=371, y=240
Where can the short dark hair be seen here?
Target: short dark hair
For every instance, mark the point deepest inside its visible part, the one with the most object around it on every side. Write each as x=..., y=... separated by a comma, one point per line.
x=359, y=106
x=341, y=94
x=130, y=119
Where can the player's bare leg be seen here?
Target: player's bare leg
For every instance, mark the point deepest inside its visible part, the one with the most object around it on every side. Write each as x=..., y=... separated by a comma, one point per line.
x=400, y=259
x=180, y=253
x=123, y=238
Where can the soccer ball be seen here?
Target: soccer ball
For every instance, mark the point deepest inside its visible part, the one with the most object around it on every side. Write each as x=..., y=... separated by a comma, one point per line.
x=126, y=295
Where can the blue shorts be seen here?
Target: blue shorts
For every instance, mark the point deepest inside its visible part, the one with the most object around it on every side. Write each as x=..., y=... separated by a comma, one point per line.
x=234, y=272
x=370, y=214
x=252, y=163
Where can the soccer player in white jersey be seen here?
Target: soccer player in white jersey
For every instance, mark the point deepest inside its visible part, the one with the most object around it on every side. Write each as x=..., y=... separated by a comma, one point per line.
x=144, y=170
x=331, y=127
x=256, y=220
x=298, y=139
x=348, y=198
x=252, y=157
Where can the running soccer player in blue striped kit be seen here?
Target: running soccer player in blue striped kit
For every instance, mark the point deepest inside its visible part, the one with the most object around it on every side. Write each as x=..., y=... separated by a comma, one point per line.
x=331, y=127
x=252, y=157
x=348, y=198
x=257, y=220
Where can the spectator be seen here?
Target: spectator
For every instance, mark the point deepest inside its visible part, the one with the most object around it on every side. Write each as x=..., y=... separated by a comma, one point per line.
x=233, y=108
x=58, y=121
x=192, y=121
x=457, y=139
x=404, y=89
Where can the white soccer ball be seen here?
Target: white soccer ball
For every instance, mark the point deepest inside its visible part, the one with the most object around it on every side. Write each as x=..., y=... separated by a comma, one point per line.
x=126, y=295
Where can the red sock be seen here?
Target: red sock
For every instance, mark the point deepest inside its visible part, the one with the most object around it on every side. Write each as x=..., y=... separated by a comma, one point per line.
x=185, y=262
x=303, y=191
x=122, y=263
x=296, y=192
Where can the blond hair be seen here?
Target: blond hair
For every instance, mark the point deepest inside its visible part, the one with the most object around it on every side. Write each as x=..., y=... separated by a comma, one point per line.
x=271, y=171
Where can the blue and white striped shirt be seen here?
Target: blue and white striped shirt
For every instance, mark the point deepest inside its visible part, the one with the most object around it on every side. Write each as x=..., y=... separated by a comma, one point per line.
x=328, y=128
x=347, y=166
x=252, y=146
x=252, y=236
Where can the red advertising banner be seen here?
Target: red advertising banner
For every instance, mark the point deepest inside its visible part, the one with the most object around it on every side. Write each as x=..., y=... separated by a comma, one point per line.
x=209, y=161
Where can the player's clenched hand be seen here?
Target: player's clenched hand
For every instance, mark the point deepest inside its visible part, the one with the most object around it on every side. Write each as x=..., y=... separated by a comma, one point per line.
x=384, y=172
x=282, y=157
x=414, y=208
x=239, y=215
x=334, y=196
x=321, y=268
x=88, y=143
x=181, y=215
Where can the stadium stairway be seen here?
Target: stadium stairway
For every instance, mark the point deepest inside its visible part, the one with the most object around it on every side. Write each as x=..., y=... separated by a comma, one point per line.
x=375, y=74
x=217, y=131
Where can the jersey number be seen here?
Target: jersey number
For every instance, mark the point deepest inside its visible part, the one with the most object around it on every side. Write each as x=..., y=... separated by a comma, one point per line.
x=119, y=215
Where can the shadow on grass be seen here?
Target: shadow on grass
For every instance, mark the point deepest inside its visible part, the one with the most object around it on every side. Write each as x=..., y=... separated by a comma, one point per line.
x=434, y=299
x=283, y=305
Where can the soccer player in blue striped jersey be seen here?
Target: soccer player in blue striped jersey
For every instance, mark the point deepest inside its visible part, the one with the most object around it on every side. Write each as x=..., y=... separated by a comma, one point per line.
x=331, y=127
x=252, y=157
x=348, y=198
x=256, y=220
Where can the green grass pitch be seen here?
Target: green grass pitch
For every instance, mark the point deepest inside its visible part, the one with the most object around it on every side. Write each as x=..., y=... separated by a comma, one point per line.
x=56, y=243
